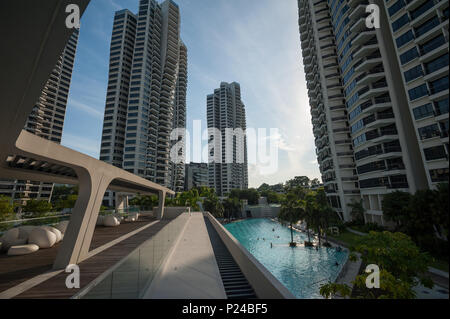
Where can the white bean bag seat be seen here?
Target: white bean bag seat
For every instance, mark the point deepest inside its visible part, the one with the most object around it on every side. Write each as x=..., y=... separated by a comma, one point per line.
x=42, y=237
x=11, y=238
x=100, y=220
x=62, y=226
x=133, y=217
x=119, y=217
x=55, y=231
x=22, y=250
x=111, y=221
x=24, y=231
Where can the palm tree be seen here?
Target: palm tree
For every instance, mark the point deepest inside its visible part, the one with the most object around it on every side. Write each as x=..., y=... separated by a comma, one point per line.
x=231, y=205
x=292, y=210
x=212, y=204
x=310, y=215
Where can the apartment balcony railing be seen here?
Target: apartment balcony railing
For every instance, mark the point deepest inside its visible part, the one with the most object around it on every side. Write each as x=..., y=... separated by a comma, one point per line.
x=439, y=87
x=426, y=27
x=422, y=9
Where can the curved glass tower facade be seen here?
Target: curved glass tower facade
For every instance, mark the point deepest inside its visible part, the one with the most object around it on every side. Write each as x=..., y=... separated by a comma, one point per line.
x=360, y=67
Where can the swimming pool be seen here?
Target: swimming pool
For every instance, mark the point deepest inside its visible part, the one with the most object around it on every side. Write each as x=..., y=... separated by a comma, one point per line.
x=302, y=270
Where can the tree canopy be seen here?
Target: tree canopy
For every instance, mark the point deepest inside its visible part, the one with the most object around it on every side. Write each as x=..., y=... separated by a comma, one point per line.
x=402, y=267
x=6, y=208
x=36, y=208
x=423, y=216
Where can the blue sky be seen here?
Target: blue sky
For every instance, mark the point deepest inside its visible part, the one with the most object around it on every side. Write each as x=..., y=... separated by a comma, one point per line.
x=253, y=42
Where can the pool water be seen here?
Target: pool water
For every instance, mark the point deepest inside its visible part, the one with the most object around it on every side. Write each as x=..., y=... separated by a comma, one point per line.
x=302, y=270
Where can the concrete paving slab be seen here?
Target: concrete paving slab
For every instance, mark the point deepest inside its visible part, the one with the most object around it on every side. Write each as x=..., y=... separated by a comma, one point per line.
x=191, y=270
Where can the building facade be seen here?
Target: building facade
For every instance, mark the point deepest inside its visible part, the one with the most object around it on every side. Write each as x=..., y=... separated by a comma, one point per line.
x=228, y=168
x=196, y=176
x=420, y=32
x=146, y=97
x=46, y=121
x=367, y=140
x=177, y=171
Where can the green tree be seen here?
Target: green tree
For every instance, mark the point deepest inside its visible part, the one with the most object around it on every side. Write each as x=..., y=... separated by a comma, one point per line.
x=264, y=188
x=422, y=220
x=231, y=206
x=402, y=267
x=310, y=214
x=327, y=216
x=61, y=193
x=36, y=208
x=292, y=210
x=315, y=182
x=396, y=208
x=273, y=197
x=205, y=191
x=441, y=209
x=298, y=181
x=251, y=195
x=357, y=212
x=68, y=202
x=6, y=208
x=144, y=202
x=213, y=205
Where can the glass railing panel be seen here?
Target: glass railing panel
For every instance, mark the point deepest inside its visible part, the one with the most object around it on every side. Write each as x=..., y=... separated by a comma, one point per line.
x=102, y=290
x=125, y=278
x=147, y=266
x=38, y=221
x=131, y=278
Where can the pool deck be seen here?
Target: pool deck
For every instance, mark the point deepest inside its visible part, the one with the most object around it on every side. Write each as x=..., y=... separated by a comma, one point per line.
x=191, y=270
x=31, y=276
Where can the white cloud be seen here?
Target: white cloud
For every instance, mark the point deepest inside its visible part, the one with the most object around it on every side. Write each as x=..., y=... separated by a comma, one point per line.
x=85, y=108
x=81, y=144
x=260, y=49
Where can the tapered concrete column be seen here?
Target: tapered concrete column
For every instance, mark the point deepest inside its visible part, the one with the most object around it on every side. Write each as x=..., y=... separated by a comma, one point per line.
x=77, y=239
x=121, y=201
x=162, y=199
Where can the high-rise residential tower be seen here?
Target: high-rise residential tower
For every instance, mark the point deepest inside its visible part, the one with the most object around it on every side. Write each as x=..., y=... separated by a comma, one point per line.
x=362, y=108
x=420, y=34
x=177, y=171
x=146, y=97
x=196, y=176
x=47, y=121
x=228, y=168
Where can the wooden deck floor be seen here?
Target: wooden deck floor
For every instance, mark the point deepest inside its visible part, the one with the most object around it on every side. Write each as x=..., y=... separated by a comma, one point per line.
x=17, y=269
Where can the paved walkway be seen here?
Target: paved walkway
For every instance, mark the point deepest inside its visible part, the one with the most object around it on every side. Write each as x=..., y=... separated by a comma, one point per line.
x=191, y=270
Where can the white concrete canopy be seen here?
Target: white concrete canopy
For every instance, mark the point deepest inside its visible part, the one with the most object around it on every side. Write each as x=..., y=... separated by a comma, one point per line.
x=33, y=36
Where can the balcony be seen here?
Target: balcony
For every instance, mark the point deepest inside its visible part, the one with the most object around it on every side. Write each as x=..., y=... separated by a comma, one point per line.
x=429, y=31
x=368, y=62
x=365, y=50
x=359, y=26
x=357, y=12
x=376, y=89
x=425, y=11
x=386, y=136
x=373, y=75
x=354, y=3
